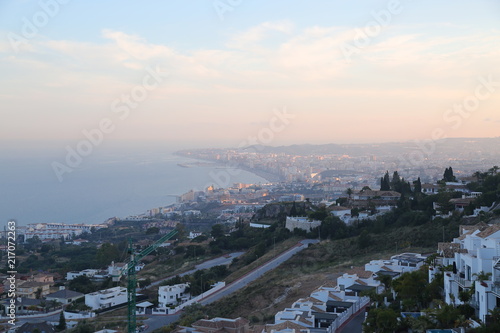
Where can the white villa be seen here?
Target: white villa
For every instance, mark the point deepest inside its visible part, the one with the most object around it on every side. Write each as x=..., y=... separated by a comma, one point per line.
x=172, y=295
x=477, y=253
x=106, y=298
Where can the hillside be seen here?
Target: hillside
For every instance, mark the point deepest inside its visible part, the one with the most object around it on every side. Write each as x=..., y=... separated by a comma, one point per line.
x=321, y=264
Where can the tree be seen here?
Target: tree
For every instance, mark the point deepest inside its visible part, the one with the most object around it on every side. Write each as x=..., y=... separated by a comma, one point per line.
x=411, y=287
x=482, y=276
x=82, y=284
x=62, y=322
x=464, y=296
x=153, y=231
x=107, y=253
x=53, y=304
x=493, y=171
x=38, y=293
x=217, y=231
x=385, y=183
x=381, y=320
x=32, y=243
x=293, y=211
x=349, y=192
x=448, y=175
x=417, y=185
x=387, y=320
x=396, y=182
x=385, y=279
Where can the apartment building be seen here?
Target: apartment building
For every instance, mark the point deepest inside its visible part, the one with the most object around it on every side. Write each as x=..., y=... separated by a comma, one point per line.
x=106, y=298
x=475, y=264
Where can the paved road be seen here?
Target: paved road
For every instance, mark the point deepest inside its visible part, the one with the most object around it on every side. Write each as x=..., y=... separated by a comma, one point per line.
x=355, y=325
x=224, y=260
x=258, y=272
x=155, y=322
x=159, y=320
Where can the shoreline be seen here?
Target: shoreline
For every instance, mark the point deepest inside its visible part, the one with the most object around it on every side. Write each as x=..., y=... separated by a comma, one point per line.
x=268, y=176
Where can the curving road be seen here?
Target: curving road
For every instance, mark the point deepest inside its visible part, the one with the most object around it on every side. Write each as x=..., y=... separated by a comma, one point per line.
x=258, y=272
x=158, y=321
x=155, y=322
x=224, y=260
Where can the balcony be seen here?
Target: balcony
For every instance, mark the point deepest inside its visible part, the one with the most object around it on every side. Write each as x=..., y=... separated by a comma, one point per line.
x=495, y=288
x=474, y=303
x=463, y=282
x=496, y=264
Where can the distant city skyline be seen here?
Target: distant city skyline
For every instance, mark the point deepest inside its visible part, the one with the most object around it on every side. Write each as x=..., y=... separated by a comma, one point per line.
x=216, y=73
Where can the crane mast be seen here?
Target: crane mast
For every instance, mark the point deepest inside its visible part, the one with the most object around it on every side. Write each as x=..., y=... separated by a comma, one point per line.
x=132, y=277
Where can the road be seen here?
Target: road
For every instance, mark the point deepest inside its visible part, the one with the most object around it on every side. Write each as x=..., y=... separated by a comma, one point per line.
x=224, y=260
x=159, y=320
x=258, y=272
x=155, y=322
x=355, y=325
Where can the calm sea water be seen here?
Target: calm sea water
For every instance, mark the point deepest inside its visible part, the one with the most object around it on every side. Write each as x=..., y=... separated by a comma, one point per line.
x=105, y=185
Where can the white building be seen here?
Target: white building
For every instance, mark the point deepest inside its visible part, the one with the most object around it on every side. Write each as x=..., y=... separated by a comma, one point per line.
x=58, y=230
x=172, y=295
x=401, y=263
x=479, y=253
x=325, y=310
x=117, y=269
x=358, y=278
x=106, y=298
x=90, y=273
x=191, y=213
x=194, y=234
x=301, y=223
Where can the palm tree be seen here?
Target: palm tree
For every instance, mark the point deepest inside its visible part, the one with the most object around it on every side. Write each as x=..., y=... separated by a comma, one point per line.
x=54, y=304
x=494, y=170
x=349, y=192
x=482, y=276
x=386, y=280
x=495, y=314
x=462, y=321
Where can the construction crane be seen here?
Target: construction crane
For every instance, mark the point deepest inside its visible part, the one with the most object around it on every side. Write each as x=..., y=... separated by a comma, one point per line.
x=132, y=277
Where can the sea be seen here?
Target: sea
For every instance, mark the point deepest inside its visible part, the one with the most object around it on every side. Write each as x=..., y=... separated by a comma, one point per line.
x=106, y=183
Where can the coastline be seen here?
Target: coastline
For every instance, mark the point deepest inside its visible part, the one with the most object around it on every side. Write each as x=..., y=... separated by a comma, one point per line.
x=126, y=186
x=268, y=176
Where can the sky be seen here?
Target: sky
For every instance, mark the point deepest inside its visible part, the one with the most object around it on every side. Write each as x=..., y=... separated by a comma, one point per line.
x=225, y=73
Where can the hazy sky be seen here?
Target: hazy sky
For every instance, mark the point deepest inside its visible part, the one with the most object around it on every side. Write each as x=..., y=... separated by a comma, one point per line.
x=348, y=71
